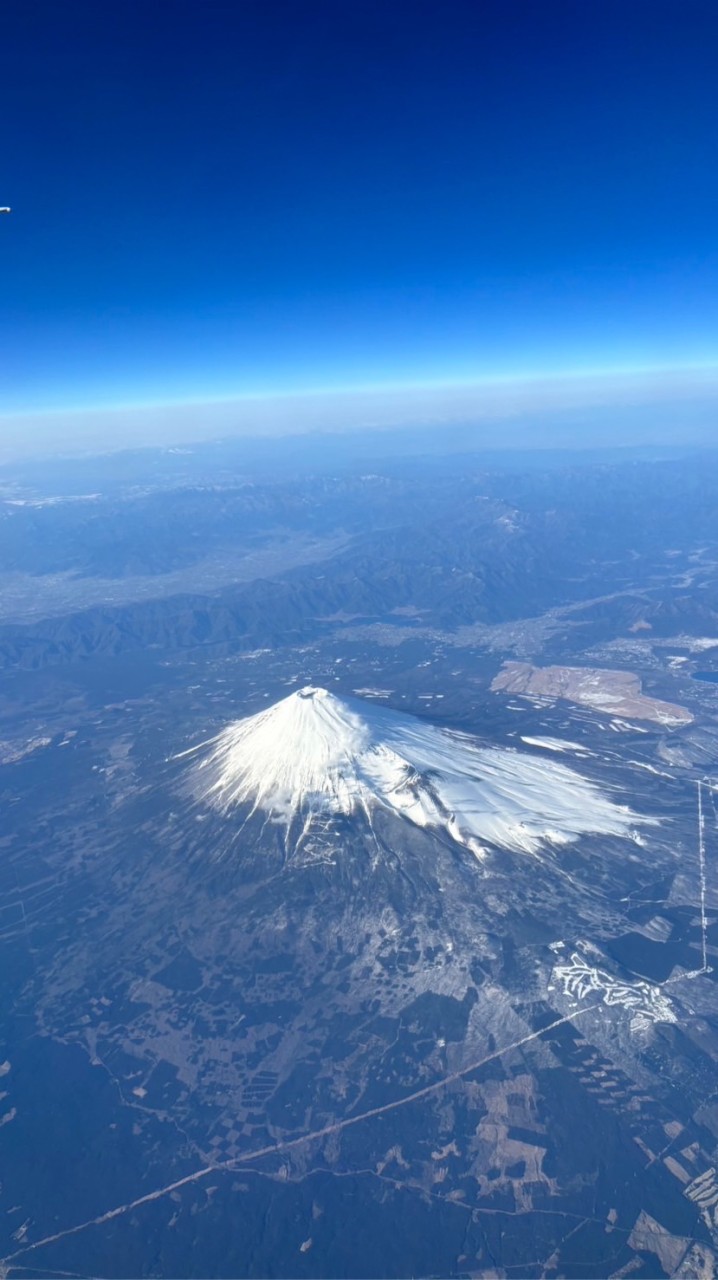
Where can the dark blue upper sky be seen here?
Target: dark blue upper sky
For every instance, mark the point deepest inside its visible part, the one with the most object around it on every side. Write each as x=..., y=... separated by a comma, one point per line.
x=210, y=198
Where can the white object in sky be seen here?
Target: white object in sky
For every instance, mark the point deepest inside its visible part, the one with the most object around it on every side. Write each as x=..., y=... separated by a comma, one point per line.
x=5, y=208
x=313, y=755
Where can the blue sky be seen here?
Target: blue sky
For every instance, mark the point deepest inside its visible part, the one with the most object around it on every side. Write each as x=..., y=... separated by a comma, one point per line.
x=214, y=199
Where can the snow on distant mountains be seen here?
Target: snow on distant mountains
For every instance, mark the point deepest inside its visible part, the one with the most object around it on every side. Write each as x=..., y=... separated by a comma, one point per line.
x=314, y=755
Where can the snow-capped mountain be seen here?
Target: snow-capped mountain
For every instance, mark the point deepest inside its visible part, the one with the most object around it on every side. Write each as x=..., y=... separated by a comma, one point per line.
x=314, y=755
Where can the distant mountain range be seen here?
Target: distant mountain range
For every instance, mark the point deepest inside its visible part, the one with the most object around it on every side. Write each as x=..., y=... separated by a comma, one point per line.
x=459, y=547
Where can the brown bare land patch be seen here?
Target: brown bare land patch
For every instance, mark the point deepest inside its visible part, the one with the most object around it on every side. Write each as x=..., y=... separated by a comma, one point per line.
x=615, y=693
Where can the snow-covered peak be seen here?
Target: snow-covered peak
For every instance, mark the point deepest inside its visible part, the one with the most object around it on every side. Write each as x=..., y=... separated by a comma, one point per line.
x=313, y=755
x=308, y=747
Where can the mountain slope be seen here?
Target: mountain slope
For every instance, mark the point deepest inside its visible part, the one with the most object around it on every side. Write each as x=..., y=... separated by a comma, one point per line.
x=313, y=755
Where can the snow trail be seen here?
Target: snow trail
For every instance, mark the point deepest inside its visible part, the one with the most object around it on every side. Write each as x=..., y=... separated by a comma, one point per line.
x=702, y=876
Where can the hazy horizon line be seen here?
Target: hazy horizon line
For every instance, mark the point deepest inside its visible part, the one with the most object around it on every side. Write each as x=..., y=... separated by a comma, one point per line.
x=519, y=400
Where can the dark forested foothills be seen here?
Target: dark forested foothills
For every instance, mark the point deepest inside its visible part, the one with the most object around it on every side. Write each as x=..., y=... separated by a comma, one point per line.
x=359, y=866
